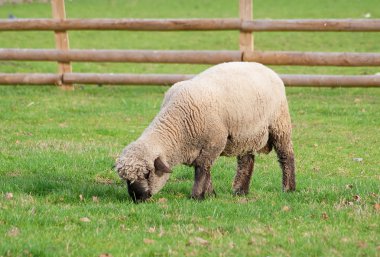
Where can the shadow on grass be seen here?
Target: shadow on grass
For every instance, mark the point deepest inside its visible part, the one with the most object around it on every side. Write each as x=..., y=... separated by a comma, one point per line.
x=61, y=187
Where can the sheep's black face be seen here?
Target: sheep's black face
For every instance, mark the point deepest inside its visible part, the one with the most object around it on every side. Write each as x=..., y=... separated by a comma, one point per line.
x=138, y=191
x=144, y=179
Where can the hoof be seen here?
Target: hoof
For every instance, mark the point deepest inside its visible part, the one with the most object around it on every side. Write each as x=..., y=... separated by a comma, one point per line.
x=211, y=193
x=200, y=197
x=240, y=192
x=287, y=190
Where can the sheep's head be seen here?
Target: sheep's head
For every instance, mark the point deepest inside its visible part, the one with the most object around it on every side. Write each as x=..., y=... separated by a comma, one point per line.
x=144, y=178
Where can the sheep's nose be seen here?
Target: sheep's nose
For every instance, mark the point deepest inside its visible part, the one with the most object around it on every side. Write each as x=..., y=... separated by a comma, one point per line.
x=138, y=192
x=142, y=197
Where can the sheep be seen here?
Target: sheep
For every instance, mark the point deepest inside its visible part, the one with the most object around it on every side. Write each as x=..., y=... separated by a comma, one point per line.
x=231, y=109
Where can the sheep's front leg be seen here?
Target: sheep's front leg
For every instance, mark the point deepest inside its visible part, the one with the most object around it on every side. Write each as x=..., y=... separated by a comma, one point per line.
x=202, y=185
x=203, y=163
x=243, y=175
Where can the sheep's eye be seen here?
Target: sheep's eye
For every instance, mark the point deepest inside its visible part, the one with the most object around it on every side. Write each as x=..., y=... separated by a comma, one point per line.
x=146, y=176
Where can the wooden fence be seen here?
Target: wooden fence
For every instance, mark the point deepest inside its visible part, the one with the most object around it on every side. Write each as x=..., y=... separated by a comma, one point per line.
x=245, y=24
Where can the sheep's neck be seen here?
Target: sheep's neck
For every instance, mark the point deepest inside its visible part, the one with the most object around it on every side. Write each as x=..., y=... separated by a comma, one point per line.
x=166, y=137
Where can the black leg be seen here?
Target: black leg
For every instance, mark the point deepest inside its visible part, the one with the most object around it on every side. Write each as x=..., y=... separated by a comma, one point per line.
x=202, y=185
x=244, y=170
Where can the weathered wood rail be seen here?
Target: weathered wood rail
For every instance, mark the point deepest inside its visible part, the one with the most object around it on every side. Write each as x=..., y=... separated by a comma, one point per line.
x=168, y=79
x=257, y=25
x=194, y=57
x=245, y=24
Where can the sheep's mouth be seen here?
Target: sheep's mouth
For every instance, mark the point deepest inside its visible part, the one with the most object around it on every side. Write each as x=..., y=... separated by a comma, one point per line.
x=138, y=192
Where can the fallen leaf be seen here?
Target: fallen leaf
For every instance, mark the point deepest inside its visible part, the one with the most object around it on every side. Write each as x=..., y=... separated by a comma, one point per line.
x=81, y=198
x=162, y=200
x=199, y=241
x=200, y=229
x=148, y=241
x=162, y=232
x=376, y=206
x=286, y=208
x=63, y=125
x=95, y=199
x=152, y=229
x=8, y=196
x=357, y=198
x=349, y=186
x=13, y=232
x=123, y=227
x=85, y=219
x=362, y=244
x=231, y=245
x=325, y=216
x=105, y=255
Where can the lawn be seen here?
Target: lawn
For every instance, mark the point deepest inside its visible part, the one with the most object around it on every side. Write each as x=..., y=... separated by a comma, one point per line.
x=60, y=197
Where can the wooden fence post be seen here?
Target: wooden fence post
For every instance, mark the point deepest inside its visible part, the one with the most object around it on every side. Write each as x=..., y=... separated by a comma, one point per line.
x=246, y=38
x=61, y=40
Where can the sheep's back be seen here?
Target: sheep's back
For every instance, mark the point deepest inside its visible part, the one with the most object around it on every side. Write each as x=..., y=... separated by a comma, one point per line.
x=238, y=99
x=241, y=93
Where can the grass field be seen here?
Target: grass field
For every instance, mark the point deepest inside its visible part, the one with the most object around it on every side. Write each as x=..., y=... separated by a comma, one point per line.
x=60, y=197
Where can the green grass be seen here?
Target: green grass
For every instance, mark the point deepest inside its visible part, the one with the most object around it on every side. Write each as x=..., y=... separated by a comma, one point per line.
x=57, y=145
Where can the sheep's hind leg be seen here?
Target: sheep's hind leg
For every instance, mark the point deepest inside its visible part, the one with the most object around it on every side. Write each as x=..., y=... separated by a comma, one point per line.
x=286, y=160
x=245, y=164
x=281, y=135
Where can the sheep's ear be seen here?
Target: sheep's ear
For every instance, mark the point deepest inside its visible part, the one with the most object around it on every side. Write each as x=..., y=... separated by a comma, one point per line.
x=160, y=167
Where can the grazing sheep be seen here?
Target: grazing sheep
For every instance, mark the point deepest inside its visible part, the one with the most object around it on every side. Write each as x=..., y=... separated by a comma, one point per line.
x=231, y=109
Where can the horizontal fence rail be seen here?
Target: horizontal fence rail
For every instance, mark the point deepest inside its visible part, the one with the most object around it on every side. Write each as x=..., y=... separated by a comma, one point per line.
x=244, y=24
x=121, y=24
x=193, y=57
x=30, y=79
x=138, y=56
x=331, y=80
x=256, y=25
x=168, y=79
x=351, y=25
x=125, y=79
x=312, y=58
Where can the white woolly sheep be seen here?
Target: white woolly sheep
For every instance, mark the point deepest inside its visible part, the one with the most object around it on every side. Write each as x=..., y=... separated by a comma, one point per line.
x=231, y=109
